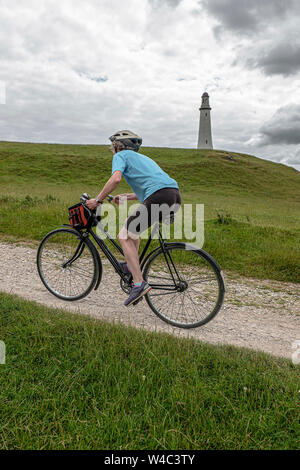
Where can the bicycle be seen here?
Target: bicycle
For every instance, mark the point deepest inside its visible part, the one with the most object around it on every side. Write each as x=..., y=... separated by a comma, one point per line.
x=187, y=283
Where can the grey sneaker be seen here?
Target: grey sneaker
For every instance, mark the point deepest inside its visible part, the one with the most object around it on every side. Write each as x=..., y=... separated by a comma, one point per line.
x=136, y=293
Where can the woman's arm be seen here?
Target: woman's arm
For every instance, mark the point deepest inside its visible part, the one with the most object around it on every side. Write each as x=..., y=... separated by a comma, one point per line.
x=109, y=187
x=128, y=196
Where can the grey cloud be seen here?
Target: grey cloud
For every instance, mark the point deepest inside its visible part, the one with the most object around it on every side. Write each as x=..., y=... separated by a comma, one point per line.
x=282, y=136
x=246, y=16
x=276, y=50
x=185, y=79
x=99, y=79
x=283, y=59
x=94, y=78
x=170, y=52
x=293, y=160
x=158, y=3
x=283, y=128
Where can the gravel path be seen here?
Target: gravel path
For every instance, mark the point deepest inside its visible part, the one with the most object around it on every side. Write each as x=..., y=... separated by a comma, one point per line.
x=262, y=315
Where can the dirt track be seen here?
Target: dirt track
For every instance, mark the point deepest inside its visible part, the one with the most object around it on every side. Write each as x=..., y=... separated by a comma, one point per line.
x=262, y=315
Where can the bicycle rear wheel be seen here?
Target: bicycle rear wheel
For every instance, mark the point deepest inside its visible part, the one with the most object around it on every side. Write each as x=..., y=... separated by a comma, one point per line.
x=187, y=286
x=67, y=264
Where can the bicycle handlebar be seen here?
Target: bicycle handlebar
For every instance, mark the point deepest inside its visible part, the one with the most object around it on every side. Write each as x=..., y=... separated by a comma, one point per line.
x=85, y=197
x=110, y=198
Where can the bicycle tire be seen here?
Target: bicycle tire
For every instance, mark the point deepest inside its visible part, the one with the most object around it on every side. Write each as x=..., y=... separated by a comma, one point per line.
x=56, y=268
x=212, y=296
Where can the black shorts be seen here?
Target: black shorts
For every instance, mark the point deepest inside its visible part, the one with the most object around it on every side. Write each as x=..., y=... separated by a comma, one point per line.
x=160, y=206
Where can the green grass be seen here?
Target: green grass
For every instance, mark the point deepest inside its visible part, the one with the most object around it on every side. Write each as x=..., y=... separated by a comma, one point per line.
x=259, y=199
x=71, y=382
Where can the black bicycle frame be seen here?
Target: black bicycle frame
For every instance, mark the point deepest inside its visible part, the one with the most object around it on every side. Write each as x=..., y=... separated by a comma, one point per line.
x=108, y=253
x=112, y=259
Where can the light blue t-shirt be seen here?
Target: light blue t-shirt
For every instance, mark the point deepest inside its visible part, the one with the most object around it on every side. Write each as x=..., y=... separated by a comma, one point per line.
x=143, y=175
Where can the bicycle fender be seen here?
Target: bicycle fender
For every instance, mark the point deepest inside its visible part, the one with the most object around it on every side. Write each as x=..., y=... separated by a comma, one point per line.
x=186, y=246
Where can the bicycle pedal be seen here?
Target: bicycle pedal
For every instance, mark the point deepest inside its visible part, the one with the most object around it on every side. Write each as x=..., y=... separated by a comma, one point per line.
x=137, y=301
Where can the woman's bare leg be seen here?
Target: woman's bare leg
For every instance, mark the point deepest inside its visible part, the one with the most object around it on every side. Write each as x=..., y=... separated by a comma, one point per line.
x=130, y=248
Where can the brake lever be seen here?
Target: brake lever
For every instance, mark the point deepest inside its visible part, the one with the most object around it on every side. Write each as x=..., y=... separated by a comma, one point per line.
x=85, y=197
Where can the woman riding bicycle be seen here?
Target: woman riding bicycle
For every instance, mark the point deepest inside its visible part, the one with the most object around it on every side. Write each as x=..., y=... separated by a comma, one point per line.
x=151, y=186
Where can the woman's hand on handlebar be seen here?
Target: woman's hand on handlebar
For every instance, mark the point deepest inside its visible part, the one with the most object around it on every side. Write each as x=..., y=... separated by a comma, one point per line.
x=91, y=204
x=123, y=197
x=116, y=199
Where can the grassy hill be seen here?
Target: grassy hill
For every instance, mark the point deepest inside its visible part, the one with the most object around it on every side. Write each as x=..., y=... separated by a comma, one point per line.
x=252, y=205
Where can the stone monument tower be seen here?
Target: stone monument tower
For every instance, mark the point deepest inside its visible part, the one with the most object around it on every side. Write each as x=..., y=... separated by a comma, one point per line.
x=204, y=137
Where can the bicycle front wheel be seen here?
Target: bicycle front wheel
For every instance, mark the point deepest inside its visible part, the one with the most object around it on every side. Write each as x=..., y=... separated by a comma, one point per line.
x=67, y=264
x=187, y=286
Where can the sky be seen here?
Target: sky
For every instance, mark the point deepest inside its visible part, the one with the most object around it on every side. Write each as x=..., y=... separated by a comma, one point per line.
x=76, y=72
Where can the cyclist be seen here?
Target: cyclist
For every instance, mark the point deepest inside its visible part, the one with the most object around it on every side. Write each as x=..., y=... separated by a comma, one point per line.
x=151, y=185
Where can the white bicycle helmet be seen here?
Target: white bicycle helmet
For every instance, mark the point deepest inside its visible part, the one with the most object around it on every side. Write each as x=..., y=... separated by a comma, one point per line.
x=128, y=138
